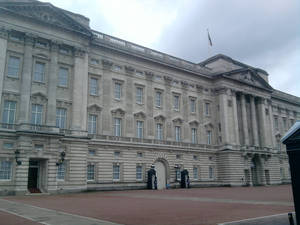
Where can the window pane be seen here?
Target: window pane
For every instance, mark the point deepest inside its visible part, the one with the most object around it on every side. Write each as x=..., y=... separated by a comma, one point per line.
x=176, y=102
x=177, y=133
x=63, y=77
x=92, y=124
x=9, y=112
x=158, y=99
x=90, y=172
x=36, y=114
x=117, y=90
x=61, y=115
x=193, y=105
x=13, y=66
x=195, y=173
x=116, y=172
x=93, y=86
x=194, y=135
x=139, y=95
x=61, y=171
x=140, y=127
x=139, y=172
x=159, y=131
x=39, y=72
x=5, y=170
x=117, y=127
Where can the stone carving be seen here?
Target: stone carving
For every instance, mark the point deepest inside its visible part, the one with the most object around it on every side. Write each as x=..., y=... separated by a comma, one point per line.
x=178, y=120
x=140, y=115
x=129, y=69
x=184, y=84
x=94, y=108
x=194, y=123
x=160, y=118
x=149, y=75
x=168, y=79
x=118, y=112
x=106, y=63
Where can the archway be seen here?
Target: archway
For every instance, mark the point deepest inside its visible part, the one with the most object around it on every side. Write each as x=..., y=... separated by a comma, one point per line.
x=161, y=174
x=256, y=170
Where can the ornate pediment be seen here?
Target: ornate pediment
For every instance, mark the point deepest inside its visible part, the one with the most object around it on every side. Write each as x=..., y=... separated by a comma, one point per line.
x=94, y=108
x=39, y=97
x=194, y=123
x=177, y=120
x=248, y=76
x=118, y=112
x=140, y=115
x=46, y=13
x=160, y=117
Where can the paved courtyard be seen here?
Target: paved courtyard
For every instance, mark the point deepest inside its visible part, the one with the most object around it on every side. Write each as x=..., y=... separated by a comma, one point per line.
x=175, y=206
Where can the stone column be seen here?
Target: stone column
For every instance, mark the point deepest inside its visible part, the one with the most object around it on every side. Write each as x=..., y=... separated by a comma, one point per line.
x=223, y=101
x=129, y=91
x=244, y=119
x=80, y=88
x=262, y=122
x=26, y=80
x=272, y=130
x=254, y=121
x=185, y=110
x=235, y=118
x=52, y=83
x=3, y=47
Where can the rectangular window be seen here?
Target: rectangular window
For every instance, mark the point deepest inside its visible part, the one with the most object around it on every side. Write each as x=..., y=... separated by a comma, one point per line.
x=90, y=172
x=284, y=123
x=92, y=152
x=36, y=114
x=8, y=145
x=13, y=66
x=139, y=95
x=177, y=133
x=208, y=137
x=92, y=124
x=61, y=118
x=61, y=170
x=118, y=91
x=117, y=154
x=117, y=127
x=139, y=172
x=93, y=86
x=211, y=172
x=63, y=77
x=9, y=112
x=158, y=99
x=116, y=172
x=39, y=72
x=193, y=105
x=139, y=129
x=195, y=173
x=194, y=135
x=159, y=131
x=5, y=170
x=177, y=173
x=176, y=102
x=207, y=109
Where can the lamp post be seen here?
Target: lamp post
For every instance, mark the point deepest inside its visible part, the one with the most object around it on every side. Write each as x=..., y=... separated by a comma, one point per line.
x=62, y=158
x=17, y=156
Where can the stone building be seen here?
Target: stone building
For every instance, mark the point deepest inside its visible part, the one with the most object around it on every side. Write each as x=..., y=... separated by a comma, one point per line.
x=82, y=110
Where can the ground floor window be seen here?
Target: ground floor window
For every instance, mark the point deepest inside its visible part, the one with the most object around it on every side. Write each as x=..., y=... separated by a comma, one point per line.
x=90, y=172
x=61, y=171
x=116, y=172
x=211, y=172
x=139, y=172
x=5, y=170
x=177, y=173
x=195, y=173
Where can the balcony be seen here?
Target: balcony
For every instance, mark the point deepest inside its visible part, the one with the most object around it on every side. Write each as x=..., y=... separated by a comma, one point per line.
x=27, y=127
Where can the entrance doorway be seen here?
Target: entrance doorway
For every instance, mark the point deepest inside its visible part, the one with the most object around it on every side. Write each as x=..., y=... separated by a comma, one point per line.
x=256, y=171
x=33, y=176
x=160, y=169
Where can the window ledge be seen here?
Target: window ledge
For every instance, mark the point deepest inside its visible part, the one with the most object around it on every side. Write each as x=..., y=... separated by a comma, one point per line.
x=12, y=78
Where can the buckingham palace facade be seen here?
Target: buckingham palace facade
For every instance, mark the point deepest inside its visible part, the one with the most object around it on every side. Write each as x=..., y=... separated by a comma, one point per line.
x=81, y=110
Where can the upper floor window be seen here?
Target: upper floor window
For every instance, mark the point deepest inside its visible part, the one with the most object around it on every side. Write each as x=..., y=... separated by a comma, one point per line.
x=92, y=124
x=93, y=86
x=284, y=123
x=61, y=116
x=39, y=72
x=118, y=90
x=194, y=135
x=208, y=137
x=117, y=126
x=193, y=105
x=90, y=172
x=5, y=170
x=159, y=131
x=178, y=133
x=176, y=102
x=36, y=114
x=61, y=170
x=9, y=112
x=139, y=129
x=139, y=95
x=63, y=77
x=207, y=109
x=13, y=66
x=158, y=99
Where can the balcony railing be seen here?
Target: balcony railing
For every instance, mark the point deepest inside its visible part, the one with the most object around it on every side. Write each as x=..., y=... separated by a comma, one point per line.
x=8, y=126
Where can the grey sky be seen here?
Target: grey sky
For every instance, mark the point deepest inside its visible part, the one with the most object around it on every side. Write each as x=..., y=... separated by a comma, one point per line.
x=264, y=34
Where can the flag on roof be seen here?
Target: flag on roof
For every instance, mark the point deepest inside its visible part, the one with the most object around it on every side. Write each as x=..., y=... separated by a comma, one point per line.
x=209, y=38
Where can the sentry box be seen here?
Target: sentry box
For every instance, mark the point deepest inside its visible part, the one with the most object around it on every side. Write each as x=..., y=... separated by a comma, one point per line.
x=292, y=142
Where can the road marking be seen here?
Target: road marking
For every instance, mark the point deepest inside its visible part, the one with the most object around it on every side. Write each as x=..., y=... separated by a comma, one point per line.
x=255, y=218
x=48, y=216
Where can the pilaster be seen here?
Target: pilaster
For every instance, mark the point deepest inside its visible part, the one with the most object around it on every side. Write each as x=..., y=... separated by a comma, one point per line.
x=51, y=106
x=80, y=87
x=262, y=124
x=169, y=107
x=235, y=118
x=149, y=104
x=3, y=48
x=223, y=101
x=26, y=80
